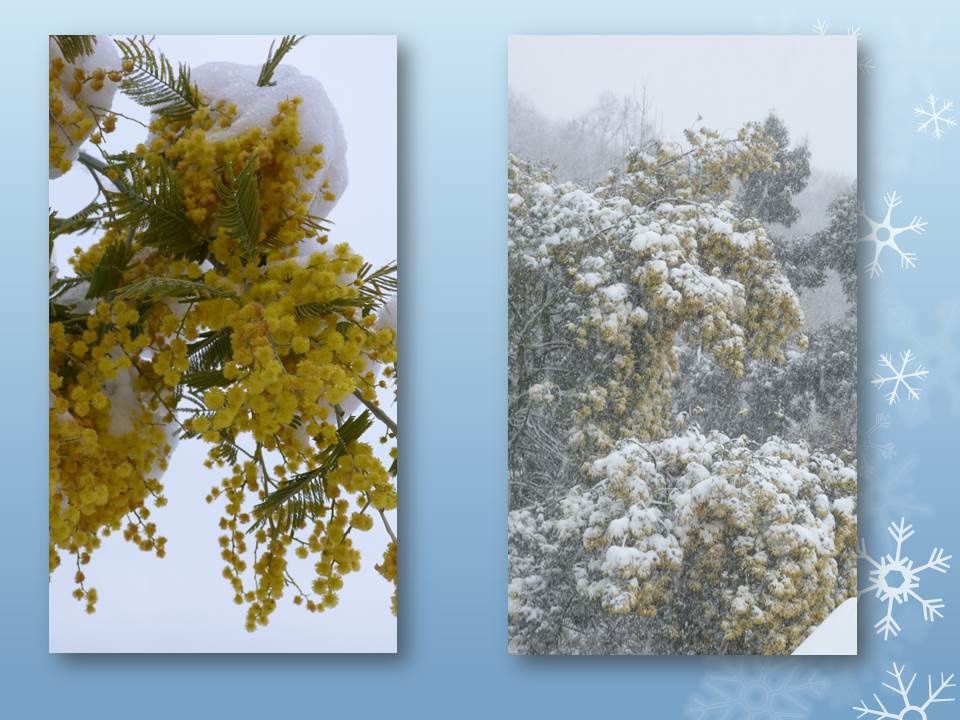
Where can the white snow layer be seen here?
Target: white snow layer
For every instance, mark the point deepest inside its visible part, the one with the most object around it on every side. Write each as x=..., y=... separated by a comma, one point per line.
x=837, y=635
x=104, y=56
x=319, y=121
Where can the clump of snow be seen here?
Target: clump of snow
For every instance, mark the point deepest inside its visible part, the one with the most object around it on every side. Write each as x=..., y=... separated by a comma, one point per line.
x=543, y=393
x=97, y=102
x=319, y=121
x=388, y=315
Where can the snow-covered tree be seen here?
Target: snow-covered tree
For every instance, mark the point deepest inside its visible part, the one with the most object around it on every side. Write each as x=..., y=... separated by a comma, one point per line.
x=605, y=284
x=631, y=529
x=767, y=195
x=813, y=395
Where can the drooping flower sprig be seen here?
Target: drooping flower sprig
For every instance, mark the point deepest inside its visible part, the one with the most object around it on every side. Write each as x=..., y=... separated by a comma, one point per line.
x=213, y=306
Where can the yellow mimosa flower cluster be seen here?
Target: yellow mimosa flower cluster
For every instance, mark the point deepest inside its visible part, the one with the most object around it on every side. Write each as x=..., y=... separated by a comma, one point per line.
x=108, y=439
x=250, y=333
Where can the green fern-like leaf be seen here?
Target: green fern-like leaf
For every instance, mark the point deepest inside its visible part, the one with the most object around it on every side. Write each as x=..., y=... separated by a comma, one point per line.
x=225, y=452
x=274, y=58
x=73, y=46
x=320, y=310
x=293, y=500
x=211, y=351
x=155, y=84
x=239, y=211
x=152, y=200
x=204, y=379
x=166, y=287
x=80, y=222
x=106, y=276
x=376, y=286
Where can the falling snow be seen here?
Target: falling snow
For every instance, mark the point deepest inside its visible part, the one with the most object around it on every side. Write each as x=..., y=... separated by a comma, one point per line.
x=896, y=579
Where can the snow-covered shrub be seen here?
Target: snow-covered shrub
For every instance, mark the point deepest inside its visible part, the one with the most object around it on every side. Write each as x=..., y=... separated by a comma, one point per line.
x=697, y=543
x=813, y=394
x=642, y=310
x=605, y=284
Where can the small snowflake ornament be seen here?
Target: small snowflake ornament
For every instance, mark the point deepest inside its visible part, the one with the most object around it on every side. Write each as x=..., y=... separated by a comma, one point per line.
x=906, y=709
x=935, y=117
x=907, y=376
x=895, y=579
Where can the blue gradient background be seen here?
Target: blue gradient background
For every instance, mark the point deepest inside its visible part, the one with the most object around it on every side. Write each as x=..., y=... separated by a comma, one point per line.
x=453, y=346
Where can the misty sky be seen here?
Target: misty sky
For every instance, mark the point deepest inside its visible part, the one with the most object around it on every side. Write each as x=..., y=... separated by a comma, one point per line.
x=810, y=81
x=181, y=603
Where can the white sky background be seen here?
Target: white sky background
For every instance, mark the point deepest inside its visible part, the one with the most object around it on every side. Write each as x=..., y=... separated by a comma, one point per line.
x=182, y=603
x=810, y=81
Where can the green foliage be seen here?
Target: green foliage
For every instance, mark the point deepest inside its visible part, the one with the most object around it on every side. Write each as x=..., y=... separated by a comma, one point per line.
x=81, y=221
x=109, y=271
x=73, y=46
x=239, y=210
x=211, y=351
x=378, y=286
x=204, y=380
x=374, y=288
x=156, y=287
x=768, y=194
x=151, y=200
x=319, y=310
x=808, y=259
x=303, y=495
x=155, y=84
x=275, y=57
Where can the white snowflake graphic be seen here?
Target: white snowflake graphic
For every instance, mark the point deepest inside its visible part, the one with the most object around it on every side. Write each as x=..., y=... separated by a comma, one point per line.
x=907, y=709
x=884, y=235
x=896, y=579
x=865, y=64
x=935, y=117
x=910, y=371
x=751, y=693
x=875, y=447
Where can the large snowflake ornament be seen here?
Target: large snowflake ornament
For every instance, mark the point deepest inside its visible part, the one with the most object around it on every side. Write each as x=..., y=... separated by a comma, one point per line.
x=895, y=579
x=937, y=117
x=750, y=693
x=907, y=710
x=906, y=376
x=883, y=235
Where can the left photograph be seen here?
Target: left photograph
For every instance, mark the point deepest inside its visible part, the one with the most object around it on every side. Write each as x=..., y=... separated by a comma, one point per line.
x=223, y=380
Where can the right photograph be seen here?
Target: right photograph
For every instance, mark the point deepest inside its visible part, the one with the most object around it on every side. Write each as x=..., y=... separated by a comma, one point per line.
x=682, y=241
